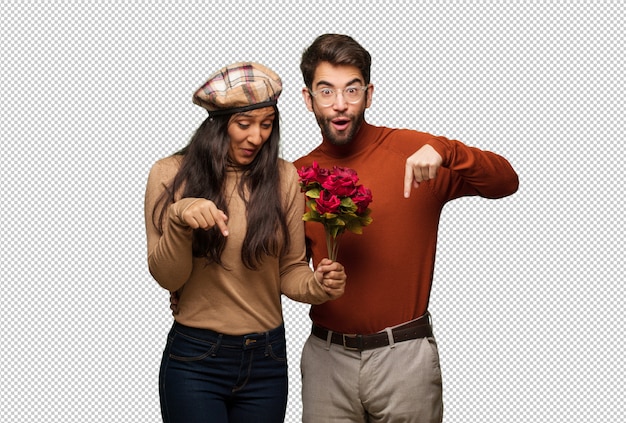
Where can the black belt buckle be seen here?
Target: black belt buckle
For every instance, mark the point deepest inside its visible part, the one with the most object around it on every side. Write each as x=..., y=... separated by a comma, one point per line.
x=351, y=336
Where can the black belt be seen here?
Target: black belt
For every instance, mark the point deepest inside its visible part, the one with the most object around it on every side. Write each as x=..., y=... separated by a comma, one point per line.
x=419, y=328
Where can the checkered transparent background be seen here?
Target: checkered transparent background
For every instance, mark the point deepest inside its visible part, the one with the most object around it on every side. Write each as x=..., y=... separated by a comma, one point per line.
x=528, y=297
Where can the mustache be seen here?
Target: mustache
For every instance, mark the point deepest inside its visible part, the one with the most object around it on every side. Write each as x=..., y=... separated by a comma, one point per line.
x=340, y=116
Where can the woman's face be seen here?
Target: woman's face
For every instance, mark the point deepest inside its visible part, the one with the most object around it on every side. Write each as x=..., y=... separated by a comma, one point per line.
x=248, y=131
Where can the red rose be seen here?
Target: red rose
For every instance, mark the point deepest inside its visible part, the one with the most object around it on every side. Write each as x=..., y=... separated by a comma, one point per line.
x=362, y=198
x=327, y=203
x=341, y=182
x=346, y=172
x=312, y=174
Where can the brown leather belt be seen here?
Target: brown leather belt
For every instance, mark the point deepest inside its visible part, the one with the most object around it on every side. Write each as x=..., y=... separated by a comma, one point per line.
x=419, y=328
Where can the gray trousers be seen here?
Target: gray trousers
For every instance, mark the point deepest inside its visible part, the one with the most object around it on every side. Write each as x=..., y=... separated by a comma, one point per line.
x=399, y=383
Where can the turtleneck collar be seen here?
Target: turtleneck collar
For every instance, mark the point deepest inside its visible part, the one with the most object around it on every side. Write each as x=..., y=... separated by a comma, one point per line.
x=362, y=138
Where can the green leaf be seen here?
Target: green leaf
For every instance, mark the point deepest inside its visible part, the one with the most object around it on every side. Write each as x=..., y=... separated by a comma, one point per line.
x=366, y=220
x=313, y=193
x=335, y=221
x=347, y=205
x=311, y=216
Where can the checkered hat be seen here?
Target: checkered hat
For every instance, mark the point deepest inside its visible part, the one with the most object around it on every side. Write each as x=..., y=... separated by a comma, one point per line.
x=239, y=87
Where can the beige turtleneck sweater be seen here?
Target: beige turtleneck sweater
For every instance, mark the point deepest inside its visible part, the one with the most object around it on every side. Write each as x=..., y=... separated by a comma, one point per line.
x=238, y=300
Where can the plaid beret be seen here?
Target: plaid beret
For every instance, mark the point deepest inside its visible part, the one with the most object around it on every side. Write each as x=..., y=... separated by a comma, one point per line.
x=239, y=87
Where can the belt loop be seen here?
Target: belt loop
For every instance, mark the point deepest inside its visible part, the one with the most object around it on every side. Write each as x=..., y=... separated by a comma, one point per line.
x=390, y=336
x=217, y=345
x=329, y=339
x=267, y=344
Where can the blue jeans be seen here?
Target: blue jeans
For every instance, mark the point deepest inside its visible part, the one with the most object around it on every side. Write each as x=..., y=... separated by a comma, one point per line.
x=210, y=377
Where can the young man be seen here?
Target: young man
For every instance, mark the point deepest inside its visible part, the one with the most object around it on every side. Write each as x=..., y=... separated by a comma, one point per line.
x=372, y=355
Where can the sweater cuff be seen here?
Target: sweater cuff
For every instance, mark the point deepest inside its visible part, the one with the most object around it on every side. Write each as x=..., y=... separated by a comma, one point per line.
x=442, y=148
x=178, y=208
x=318, y=290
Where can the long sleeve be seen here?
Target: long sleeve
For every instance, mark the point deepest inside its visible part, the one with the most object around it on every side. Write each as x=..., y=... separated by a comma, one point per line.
x=483, y=173
x=296, y=277
x=170, y=259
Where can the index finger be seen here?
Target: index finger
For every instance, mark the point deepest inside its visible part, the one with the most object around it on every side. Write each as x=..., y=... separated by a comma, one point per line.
x=220, y=221
x=326, y=265
x=408, y=179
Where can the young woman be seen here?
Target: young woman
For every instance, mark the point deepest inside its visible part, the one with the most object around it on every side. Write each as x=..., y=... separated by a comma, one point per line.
x=225, y=233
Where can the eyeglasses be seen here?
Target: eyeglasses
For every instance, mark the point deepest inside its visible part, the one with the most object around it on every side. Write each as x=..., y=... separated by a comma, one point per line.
x=326, y=97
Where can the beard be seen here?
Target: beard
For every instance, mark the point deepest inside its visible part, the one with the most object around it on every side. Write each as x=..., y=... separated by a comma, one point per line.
x=339, y=137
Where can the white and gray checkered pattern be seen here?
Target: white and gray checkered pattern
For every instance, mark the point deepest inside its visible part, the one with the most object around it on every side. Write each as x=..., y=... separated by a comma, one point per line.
x=528, y=296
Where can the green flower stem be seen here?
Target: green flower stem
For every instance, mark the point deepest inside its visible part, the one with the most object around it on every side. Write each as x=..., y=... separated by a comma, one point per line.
x=332, y=246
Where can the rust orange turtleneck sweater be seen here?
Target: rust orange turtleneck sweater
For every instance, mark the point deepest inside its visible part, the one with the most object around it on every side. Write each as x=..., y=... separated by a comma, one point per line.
x=390, y=266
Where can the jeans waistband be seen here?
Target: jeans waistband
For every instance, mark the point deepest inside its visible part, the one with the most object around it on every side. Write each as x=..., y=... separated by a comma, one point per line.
x=251, y=340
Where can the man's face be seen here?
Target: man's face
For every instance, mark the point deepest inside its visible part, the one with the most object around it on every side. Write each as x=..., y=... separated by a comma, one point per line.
x=339, y=119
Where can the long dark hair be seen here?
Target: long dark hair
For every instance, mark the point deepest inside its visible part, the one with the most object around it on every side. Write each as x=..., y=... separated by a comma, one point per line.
x=203, y=174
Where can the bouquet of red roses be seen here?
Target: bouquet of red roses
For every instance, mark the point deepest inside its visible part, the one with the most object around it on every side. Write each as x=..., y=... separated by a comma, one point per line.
x=335, y=200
